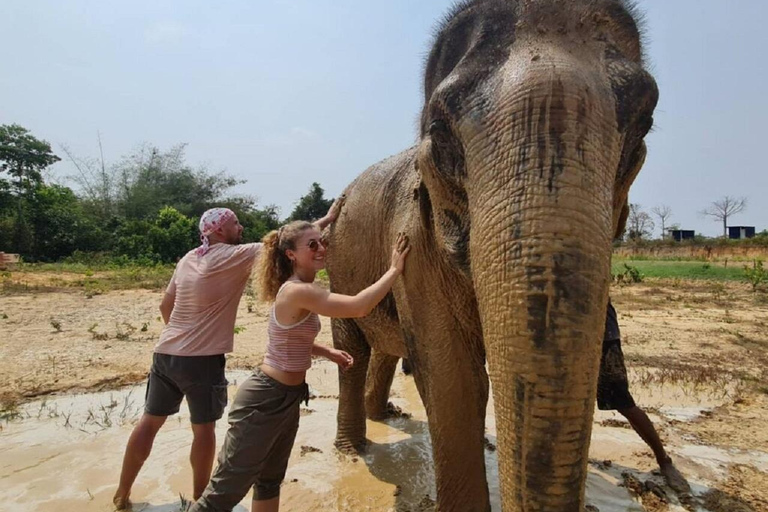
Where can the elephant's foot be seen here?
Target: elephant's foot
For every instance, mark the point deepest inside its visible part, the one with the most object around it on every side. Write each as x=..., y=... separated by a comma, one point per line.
x=351, y=446
x=386, y=412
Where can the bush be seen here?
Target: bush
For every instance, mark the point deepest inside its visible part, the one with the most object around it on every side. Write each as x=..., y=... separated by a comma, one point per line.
x=756, y=275
x=629, y=275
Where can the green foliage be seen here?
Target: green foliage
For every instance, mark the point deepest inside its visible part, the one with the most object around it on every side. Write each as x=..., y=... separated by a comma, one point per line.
x=676, y=269
x=628, y=275
x=150, y=179
x=755, y=275
x=24, y=157
x=142, y=210
x=312, y=206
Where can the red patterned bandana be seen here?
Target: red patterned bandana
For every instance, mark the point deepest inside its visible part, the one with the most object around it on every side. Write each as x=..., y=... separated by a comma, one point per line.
x=210, y=221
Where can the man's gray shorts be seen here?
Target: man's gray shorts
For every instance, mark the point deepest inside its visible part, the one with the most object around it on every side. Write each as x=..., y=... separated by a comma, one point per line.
x=263, y=422
x=198, y=378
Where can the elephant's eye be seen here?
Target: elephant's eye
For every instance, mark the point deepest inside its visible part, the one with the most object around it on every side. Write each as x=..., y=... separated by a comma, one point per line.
x=437, y=126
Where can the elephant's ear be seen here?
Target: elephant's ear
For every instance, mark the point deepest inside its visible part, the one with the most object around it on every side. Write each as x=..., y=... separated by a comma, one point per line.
x=622, y=224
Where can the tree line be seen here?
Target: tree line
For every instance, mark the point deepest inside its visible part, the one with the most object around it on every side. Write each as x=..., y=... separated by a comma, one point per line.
x=640, y=224
x=142, y=209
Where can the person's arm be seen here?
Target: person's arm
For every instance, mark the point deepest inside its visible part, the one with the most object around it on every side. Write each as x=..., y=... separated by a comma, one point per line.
x=339, y=357
x=332, y=215
x=335, y=305
x=169, y=298
x=166, y=306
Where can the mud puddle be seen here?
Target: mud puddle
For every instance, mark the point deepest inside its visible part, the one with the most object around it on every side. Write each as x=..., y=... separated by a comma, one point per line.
x=65, y=454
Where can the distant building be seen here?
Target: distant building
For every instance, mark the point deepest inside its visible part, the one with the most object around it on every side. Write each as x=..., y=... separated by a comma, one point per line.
x=679, y=235
x=739, y=232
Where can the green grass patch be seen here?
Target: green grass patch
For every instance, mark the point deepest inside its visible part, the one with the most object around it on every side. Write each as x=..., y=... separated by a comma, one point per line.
x=670, y=269
x=92, y=280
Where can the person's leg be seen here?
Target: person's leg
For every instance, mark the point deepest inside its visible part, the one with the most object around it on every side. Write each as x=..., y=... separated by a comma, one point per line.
x=205, y=388
x=136, y=452
x=645, y=429
x=252, y=430
x=201, y=456
x=272, y=505
x=162, y=399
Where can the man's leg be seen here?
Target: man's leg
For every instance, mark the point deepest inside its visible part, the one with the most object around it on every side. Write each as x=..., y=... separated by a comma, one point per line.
x=201, y=456
x=137, y=451
x=645, y=429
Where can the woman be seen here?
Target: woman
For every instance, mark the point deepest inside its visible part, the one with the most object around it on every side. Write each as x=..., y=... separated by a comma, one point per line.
x=265, y=414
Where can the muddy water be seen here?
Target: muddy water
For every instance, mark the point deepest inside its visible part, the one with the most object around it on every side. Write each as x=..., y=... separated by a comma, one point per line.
x=65, y=454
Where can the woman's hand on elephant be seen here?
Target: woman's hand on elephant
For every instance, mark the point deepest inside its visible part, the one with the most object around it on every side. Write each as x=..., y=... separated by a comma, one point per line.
x=401, y=250
x=341, y=358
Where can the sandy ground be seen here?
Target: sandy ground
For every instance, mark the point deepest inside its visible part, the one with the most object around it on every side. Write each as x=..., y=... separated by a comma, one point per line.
x=698, y=354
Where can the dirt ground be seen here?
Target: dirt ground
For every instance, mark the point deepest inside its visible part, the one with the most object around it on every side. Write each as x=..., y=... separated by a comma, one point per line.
x=697, y=352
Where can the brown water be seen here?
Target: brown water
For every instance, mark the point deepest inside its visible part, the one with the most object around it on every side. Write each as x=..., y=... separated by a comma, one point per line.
x=65, y=454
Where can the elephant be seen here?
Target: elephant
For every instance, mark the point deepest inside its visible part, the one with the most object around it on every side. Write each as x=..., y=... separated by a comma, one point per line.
x=531, y=133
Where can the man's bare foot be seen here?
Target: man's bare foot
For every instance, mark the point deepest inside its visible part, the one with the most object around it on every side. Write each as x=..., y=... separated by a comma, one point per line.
x=675, y=480
x=121, y=502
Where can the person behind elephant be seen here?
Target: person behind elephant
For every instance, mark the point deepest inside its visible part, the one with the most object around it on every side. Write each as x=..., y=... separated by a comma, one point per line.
x=265, y=414
x=199, y=308
x=613, y=394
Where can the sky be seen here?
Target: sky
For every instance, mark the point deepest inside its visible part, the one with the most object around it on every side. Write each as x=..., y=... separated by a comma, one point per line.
x=283, y=93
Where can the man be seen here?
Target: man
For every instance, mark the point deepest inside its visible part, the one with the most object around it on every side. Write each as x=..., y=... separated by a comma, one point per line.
x=199, y=308
x=613, y=394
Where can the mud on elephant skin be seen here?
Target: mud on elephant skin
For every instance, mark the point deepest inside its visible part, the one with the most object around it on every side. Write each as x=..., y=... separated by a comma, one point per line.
x=531, y=134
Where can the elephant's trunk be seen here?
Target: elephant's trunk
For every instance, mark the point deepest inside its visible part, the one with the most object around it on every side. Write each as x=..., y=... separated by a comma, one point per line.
x=541, y=229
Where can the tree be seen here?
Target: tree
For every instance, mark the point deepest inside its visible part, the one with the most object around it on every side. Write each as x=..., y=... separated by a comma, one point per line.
x=23, y=157
x=150, y=179
x=311, y=206
x=639, y=223
x=725, y=208
x=96, y=182
x=663, y=212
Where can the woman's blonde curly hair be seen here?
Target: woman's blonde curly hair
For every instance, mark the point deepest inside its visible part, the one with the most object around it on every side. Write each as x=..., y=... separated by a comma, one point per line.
x=274, y=268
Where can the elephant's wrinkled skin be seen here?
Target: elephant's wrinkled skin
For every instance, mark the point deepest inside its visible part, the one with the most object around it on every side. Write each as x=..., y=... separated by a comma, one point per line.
x=531, y=135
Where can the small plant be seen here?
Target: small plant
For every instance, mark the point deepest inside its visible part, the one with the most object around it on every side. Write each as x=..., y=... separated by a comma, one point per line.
x=239, y=329
x=124, y=335
x=756, y=275
x=4, y=316
x=250, y=305
x=629, y=275
x=97, y=335
x=56, y=324
x=89, y=273
x=145, y=327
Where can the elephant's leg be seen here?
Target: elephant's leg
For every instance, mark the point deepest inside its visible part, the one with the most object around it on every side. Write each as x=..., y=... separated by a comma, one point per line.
x=381, y=371
x=350, y=433
x=452, y=381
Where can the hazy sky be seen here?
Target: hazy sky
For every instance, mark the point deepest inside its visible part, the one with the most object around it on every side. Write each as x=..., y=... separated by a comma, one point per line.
x=287, y=92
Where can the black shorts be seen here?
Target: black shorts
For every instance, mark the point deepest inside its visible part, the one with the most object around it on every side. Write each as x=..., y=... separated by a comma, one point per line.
x=612, y=383
x=198, y=378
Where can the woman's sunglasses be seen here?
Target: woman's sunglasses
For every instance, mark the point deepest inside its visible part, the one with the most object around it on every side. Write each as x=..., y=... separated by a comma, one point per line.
x=314, y=245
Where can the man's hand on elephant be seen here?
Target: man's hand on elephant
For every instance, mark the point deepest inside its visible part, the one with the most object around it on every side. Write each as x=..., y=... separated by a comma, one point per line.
x=401, y=250
x=335, y=209
x=333, y=213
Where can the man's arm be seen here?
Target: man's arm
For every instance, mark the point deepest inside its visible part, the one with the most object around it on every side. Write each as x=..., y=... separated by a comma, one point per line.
x=166, y=306
x=333, y=213
x=169, y=298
